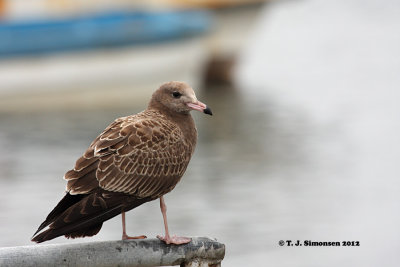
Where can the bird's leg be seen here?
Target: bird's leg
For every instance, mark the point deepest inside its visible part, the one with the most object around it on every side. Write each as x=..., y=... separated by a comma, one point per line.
x=124, y=235
x=177, y=240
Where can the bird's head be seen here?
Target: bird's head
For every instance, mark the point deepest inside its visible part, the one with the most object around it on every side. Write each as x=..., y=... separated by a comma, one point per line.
x=178, y=97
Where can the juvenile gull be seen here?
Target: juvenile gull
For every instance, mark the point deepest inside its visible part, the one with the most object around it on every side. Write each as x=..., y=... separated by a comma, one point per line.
x=136, y=159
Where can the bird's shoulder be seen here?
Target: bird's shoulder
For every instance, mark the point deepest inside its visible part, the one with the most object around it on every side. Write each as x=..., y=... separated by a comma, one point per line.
x=145, y=130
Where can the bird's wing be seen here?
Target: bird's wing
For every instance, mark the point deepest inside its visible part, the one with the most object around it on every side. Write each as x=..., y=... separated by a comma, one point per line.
x=136, y=155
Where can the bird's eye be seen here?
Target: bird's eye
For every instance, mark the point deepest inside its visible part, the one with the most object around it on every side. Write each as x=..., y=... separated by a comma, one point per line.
x=176, y=94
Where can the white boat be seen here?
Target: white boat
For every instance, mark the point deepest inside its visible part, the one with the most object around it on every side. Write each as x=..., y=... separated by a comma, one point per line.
x=98, y=78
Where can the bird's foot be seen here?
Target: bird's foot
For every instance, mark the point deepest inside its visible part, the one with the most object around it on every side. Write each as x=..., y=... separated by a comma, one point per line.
x=125, y=237
x=177, y=240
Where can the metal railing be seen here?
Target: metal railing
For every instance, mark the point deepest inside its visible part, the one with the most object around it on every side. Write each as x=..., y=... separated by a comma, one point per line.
x=201, y=251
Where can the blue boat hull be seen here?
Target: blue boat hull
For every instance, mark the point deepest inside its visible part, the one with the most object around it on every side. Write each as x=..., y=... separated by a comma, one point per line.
x=101, y=30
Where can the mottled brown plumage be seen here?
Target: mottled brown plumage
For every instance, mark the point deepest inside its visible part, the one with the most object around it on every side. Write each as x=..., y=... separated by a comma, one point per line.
x=136, y=159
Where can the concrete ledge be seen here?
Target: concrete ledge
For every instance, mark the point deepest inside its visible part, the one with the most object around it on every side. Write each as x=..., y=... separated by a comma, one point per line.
x=201, y=251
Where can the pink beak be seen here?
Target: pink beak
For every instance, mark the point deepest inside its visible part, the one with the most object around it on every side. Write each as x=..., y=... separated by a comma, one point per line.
x=200, y=107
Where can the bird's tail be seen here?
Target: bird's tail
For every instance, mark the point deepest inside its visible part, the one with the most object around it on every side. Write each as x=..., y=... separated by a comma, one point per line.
x=67, y=201
x=80, y=216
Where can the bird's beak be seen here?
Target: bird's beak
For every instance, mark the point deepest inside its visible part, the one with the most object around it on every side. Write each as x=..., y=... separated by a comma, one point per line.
x=200, y=107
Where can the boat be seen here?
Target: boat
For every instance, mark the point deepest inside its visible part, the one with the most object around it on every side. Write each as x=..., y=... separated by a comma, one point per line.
x=97, y=65
x=99, y=60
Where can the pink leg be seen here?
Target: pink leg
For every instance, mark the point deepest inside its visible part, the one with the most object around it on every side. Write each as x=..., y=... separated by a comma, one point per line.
x=124, y=235
x=177, y=240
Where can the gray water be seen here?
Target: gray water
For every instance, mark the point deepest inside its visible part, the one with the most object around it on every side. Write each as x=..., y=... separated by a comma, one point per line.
x=304, y=147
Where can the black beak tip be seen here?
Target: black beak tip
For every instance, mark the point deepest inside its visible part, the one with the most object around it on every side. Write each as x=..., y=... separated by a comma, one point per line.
x=208, y=111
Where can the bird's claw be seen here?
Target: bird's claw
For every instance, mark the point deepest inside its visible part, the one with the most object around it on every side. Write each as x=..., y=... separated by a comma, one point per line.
x=177, y=240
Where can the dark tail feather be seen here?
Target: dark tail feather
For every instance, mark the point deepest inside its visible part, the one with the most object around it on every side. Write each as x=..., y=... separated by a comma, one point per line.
x=51, y=233
x=86, y=217
x=67, y=201
x=79, y=229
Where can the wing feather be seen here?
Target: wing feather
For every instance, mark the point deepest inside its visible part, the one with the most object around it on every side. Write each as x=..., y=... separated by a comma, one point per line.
x=142, y=155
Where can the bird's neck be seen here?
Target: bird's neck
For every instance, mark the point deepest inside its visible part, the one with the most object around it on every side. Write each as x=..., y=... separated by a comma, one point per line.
x=183, y=120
